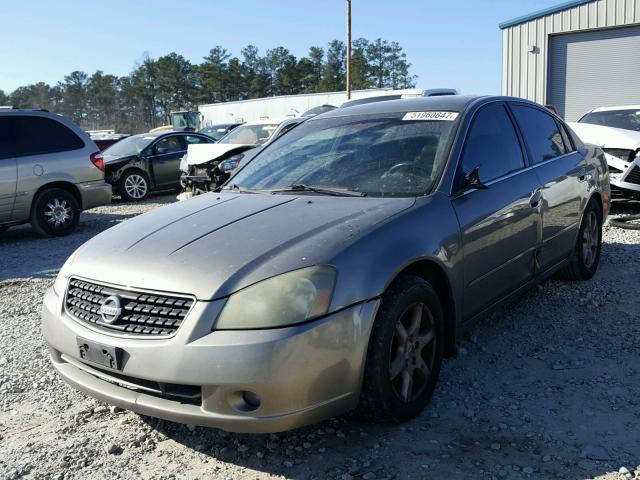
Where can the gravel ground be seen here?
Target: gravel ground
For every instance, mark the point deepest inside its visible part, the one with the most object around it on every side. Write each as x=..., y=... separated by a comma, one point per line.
x=544, y=388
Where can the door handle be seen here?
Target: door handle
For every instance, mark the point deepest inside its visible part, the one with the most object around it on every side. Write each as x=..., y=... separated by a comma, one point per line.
x=534, y=200
x=583, y=176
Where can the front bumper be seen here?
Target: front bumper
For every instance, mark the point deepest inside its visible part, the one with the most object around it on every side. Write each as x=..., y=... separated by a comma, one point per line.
x=95, y=194
x=300, y=374
x=624, y=175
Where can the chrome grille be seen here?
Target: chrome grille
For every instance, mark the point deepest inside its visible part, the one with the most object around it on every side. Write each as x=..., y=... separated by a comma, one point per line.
x=633, y=176
x=142, y=313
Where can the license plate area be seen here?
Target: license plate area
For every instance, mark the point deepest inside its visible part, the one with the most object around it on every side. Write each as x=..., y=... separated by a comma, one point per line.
x=110, y=357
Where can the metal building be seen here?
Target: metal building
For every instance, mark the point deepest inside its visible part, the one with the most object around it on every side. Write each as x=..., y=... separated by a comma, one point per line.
x=577, y=56
x=287, y=105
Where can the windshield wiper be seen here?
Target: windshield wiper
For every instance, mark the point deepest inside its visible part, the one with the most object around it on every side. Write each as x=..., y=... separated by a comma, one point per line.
x=338, y=192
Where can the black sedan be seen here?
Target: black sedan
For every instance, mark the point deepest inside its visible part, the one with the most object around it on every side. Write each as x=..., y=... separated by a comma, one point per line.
x=142, y=163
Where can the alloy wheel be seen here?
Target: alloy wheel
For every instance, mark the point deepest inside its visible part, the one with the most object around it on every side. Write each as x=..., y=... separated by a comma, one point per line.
x=413, y=352
x=135, y=186
x=58, y=212
x=590, y=239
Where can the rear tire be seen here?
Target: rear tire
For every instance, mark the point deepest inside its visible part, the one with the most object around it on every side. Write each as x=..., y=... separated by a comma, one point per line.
x=55, y=213
x=134, y=186
x=405, y=353
x=586, y=254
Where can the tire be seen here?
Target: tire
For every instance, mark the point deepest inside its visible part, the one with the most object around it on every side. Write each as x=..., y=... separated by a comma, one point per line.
x=134, y=186
x=55, y=213
x=385, y=396
x=586, y=254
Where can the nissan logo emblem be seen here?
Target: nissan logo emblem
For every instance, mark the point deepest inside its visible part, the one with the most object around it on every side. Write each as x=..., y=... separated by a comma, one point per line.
x=111, y=309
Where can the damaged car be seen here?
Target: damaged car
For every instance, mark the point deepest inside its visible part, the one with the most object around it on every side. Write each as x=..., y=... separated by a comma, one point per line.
x=617, y=131
x=140, y=164
x=336, y=270
x=206, y=167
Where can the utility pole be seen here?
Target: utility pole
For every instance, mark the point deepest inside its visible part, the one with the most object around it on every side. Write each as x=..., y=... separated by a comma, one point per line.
x=348, y=49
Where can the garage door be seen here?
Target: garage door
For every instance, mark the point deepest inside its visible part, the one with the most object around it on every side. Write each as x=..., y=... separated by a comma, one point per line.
x=594, y=69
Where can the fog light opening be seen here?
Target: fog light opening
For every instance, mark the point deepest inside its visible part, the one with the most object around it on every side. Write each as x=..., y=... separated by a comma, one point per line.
x=245, y=401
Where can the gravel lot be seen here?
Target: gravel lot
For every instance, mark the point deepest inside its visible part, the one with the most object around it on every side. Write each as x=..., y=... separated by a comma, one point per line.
x=545, y=388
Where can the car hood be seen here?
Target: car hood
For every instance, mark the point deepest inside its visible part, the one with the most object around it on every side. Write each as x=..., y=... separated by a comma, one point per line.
x=198, y=154
x=215, y=244
x=607, y=137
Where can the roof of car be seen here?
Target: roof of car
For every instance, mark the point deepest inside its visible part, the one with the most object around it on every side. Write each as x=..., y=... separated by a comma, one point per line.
x=267, y=121
x=456, y=103
x=618, y=107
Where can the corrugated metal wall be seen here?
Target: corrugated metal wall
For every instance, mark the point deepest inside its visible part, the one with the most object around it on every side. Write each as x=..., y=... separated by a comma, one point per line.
x=524, y=68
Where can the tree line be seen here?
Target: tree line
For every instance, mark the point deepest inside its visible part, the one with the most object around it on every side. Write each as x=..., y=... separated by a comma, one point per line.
x=143, y=99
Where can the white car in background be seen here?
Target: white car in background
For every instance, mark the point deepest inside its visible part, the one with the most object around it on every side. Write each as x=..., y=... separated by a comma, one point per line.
x=200, y=166
x=617, y=131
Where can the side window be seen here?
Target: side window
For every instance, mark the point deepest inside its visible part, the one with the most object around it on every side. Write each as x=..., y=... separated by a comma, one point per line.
x=38, y=135
x=568, y=144
x=492, y=145
x=191, y=139
x=540, y=132
x=168, y=145
x=7, y=148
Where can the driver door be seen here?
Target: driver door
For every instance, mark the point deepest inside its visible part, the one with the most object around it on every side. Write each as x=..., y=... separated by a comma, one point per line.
x=499, y=223
x=165, y=160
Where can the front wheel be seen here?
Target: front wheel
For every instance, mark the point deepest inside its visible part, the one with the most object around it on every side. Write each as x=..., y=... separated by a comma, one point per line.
x=404, y=354
x=134, y=186
x=55, y=213
x=586, y=254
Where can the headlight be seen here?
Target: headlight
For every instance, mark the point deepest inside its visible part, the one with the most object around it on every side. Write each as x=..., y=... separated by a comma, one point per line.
x=284, y=300
x=230, y=163
x=60, y=283
x=184, y=164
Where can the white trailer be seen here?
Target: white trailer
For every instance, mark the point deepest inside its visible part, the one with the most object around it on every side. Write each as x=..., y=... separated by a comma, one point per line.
x=287, y=105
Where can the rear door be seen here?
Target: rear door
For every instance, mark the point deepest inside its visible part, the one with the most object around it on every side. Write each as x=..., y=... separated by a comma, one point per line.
x=499, y=224
x=8, y=170
x=165, y=160
x=561, y=171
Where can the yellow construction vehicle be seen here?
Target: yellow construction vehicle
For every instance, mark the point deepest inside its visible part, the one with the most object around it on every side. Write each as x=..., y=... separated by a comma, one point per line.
x=185, y=120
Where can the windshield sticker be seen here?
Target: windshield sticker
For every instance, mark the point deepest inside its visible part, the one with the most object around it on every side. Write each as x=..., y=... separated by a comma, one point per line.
x=442, y=116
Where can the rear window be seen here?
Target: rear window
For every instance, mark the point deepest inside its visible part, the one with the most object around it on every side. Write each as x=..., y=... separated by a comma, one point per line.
x=37, y=135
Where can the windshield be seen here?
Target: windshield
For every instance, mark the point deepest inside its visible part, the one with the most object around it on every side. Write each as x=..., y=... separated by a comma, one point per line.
x=250, y=134
x=376, y=156
x=627, y=119
x=129, y=146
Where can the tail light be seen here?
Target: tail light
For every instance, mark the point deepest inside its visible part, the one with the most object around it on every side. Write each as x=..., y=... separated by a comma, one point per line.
x=98, y=160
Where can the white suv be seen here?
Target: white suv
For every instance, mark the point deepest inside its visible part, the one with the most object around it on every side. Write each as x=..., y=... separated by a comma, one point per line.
x=50, y=170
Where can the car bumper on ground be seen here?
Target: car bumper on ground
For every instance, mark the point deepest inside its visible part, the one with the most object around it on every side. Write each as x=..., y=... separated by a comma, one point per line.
x=95, y=194
x=253, y=381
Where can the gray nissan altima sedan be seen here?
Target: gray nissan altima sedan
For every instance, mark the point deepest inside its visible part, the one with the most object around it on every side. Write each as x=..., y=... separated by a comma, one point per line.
x=333, y=271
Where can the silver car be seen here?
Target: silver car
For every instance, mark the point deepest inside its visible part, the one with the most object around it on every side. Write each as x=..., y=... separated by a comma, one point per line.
x=336, y=270
x=50, y=171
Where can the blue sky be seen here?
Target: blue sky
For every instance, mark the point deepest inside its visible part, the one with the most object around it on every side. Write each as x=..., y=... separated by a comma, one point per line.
x=453, y=43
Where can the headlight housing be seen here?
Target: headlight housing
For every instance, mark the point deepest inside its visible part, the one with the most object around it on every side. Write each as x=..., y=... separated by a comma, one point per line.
x=284, y=300
x=60, y=283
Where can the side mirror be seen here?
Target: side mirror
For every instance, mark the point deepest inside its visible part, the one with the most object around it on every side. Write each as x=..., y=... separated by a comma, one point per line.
x=161, y=150
x=472, y=180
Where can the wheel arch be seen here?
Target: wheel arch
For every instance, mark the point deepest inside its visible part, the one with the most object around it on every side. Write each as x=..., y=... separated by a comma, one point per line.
x=435, y=274
x=68, y=186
